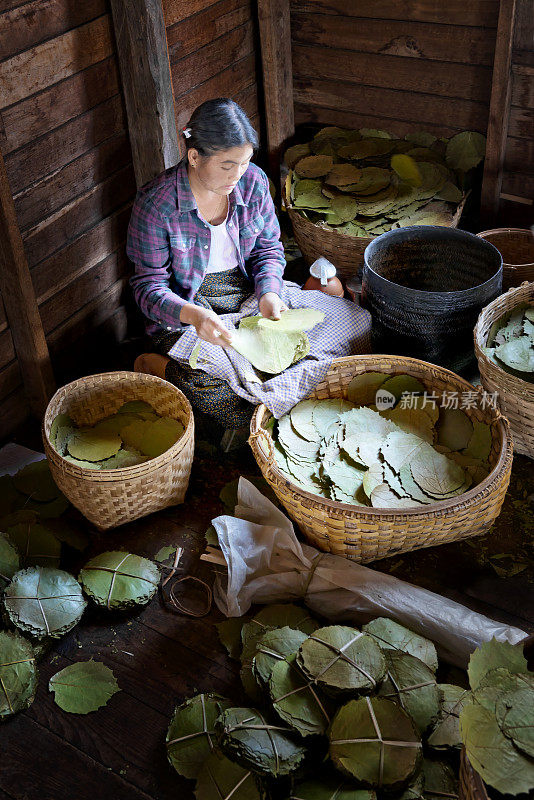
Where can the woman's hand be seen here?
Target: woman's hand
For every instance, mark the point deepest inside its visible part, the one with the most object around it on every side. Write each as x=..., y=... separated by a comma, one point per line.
x=208, y=325
x=271, y=305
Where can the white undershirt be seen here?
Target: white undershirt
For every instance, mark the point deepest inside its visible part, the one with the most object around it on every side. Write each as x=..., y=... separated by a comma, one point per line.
x=223, y=256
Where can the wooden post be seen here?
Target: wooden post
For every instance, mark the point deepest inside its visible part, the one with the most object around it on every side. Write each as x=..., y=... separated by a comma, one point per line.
x=21, y=306
x=146, y=80
x=275, y=38
x=499, y=114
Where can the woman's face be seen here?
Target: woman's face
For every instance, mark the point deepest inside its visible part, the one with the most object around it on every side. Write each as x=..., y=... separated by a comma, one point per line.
x=220, y=172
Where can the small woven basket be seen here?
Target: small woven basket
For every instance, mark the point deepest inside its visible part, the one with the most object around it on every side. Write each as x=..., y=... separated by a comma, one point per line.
x=367, y=534
x=516, y=245
x=344, y=252
x=471, y=786
x=515, y=396
x=111, y=497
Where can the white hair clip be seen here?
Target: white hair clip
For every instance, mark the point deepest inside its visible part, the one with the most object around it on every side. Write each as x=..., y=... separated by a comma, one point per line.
x=186, y=132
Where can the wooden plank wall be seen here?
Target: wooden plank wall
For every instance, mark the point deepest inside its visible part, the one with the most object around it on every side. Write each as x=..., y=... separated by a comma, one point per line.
x=64, y=138
x=518, y=178
x=393, y=65
x=213, y=51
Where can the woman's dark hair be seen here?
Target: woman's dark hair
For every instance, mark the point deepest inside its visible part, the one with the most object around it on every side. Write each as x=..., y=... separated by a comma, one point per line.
x=219, y=124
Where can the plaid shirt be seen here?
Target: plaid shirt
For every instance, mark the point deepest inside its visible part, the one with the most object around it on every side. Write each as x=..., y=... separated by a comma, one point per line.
x=169, y=243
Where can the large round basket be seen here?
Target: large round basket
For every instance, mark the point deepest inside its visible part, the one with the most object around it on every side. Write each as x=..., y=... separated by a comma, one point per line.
x=515, y=396
x=471, y=786
x=367, y=534
x=344, y=252
x=516, y=246
x=111, y=497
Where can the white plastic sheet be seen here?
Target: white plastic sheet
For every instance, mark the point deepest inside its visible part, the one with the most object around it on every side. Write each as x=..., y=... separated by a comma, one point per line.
x=267, y=564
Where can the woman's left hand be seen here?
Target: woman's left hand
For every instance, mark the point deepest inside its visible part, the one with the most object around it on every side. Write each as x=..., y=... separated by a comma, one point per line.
x=271, y=305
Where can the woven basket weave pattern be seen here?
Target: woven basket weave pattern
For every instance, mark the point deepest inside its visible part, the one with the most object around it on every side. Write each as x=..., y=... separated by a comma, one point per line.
x=516, y=397
x=367, y=534
x=471, y=786
x=109, y=498
x=516, y=246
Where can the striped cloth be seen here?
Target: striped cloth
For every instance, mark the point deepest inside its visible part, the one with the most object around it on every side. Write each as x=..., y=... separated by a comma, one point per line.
x=346, y=330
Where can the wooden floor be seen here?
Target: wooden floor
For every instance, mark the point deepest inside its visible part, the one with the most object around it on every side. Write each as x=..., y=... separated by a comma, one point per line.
x=159, y=658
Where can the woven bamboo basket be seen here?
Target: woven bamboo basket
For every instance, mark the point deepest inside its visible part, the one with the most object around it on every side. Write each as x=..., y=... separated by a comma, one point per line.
x=471, y=785
x=516, y=245
x=344, y=252
x=367, y=534
x=515, y=396
x=111, y=497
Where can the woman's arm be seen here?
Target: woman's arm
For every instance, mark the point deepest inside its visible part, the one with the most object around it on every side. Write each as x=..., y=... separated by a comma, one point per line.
x=148, y=247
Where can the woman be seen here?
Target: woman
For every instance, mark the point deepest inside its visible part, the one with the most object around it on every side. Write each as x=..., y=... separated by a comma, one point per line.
x=204, y=236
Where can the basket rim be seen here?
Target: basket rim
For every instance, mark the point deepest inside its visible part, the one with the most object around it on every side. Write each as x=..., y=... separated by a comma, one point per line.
x=422, y=293
x=505, y=455
x=512, y=380
x=135, y=470
x=485, y=234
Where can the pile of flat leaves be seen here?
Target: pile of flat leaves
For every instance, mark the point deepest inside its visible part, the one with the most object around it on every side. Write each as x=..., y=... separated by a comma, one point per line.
x=40, y=602
x=366, y=182
x=337, y=712
x=136, y=433
x=510, y=342
x=414, y=453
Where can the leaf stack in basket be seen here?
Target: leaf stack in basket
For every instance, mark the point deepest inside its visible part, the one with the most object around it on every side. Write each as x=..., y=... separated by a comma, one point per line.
x=511, y=342
x=339, y=712
x=367, y=182
x=413, y=453
x=133, y=435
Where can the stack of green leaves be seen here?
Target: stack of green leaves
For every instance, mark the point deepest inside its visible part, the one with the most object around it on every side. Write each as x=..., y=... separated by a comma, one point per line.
x=119, y=580
x=366, y=182
x=44, y=602
x=510, y=342
x=136, y=433
x=409, y=455
x=497, y=721
x=18, y=674
x=272, y=346
x=338, y=712
x=31, y=489
x=9, y=560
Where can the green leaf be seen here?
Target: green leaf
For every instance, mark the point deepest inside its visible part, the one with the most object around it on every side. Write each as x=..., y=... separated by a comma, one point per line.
x=393, y=636
x=446, y=732
x=245, y=736
x=9, y=560
x=166, y=553
x=356, y=748
x=342, y=658
x=35, y=480
x=270, y=350
x=191, y=737
x=492, y=754
x=273, y=646
x=465, y=150
x=222, y=778
x=412, y=685
x=83, y=687
x=160, y=435
x=121, y=580
x=297, y=701
x=515, y=715
x=18, y=674
x=439, y=780
x=44, y=602
x=517, y=353
x=362, y=389
x=455, y=429
x=493, y=655
x=93, y=444
x=229, y=631
x=37, y=545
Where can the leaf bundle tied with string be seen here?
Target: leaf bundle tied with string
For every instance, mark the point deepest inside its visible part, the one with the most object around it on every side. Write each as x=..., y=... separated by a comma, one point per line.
x=119, y=580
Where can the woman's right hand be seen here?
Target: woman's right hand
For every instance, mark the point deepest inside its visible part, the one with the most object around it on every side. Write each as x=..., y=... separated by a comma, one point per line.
x=207, y=324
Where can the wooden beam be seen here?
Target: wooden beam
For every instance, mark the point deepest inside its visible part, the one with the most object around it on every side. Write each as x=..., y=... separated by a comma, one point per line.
x=146, y=80
x=499, y=114
x=21, y=306
x=275, y=38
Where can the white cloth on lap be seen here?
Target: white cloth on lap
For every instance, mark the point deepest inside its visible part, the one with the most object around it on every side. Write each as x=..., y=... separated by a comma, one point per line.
x=346, y=330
